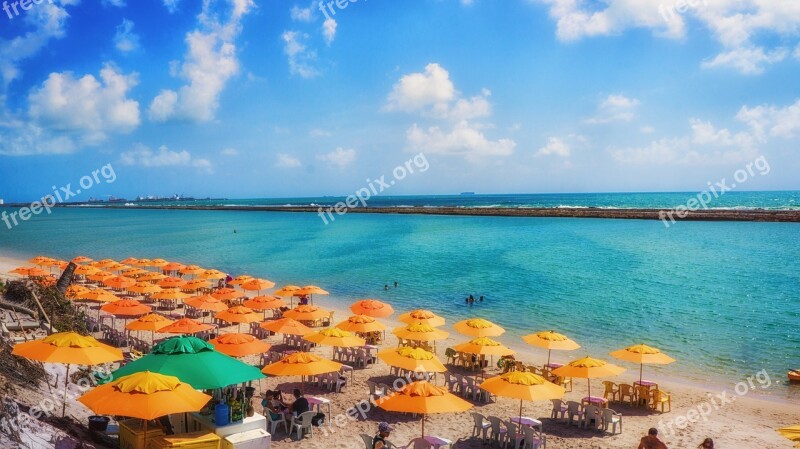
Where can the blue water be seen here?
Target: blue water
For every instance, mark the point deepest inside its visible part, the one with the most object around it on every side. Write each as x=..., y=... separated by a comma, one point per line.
x=786, y=200
x=722, y=298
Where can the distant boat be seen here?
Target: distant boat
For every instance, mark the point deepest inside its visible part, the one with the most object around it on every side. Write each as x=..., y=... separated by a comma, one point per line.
x=794, y=375
x=468, y=193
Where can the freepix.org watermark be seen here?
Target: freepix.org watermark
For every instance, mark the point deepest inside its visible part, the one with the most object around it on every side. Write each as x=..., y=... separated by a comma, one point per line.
x=60, y=195
x=20, y=5
x=716, y=190
x=680, y=7
x=417, y=164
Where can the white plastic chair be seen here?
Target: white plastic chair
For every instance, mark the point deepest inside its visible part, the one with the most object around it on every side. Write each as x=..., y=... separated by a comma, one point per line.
x=591, y=413
x=481, y=426
x=274, y=423
x=303, y=423
x=533, y=439
x=573, y=410
x=559, y=408
x=471, y=389
x=374, y=391
x=513, y=435
x=498, y=434
x=611, y=418
x=451, y=382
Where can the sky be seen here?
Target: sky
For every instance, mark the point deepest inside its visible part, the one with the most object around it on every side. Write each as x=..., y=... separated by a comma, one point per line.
x=282, y=98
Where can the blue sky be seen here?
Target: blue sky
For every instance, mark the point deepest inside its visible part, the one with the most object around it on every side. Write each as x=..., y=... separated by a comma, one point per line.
x=255, y=98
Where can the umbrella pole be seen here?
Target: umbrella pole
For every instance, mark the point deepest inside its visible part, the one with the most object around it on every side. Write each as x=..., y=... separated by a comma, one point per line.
x=548, y=357
x=520, y=412
x=641, y=365
x=66, y=383
x=423, y=425
x=589, y=383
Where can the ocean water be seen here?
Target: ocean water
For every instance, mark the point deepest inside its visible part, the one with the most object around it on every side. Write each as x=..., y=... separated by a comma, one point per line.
x=722, y=298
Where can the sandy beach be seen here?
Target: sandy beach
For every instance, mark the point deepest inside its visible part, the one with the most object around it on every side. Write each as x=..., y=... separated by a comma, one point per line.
x=736, y=416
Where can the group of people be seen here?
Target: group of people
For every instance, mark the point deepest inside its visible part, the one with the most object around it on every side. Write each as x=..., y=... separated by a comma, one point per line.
x=651, y=441
x=386, y=286
x=471, y=300
x=273, y=403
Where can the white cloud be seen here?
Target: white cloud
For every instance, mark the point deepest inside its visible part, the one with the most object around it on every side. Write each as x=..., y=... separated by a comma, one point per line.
x=301, y=14
x=316, y=132
x=796, y=53
x=614, y=108
x=230, y=152
x=125, y=39
x=340, y=157
x=464, y=140
x=117, y=3
x=772, y=121
x=748, y=61
x=287, y=161
x=172, y=5
x=554, y=147
x=209, y=64
x=164, y=157
x=418, y=91
x=329, y=30
x=299, y=55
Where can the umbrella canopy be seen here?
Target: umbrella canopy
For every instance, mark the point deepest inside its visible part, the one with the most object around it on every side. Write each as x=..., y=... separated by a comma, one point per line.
x=286, y=326
x=238, y=314
x=191, y=269
x=310, y=290
x=82, y=259
x=29, y=271
x=372, y=307
x=42, y=261
x=412, y=359
x=478, y=327
x=792, y=433
x=144, y=395
x=286, y=291
x=264, y=303
x=158, y=263
x=196, y=284
x=151, y=322
x=133, y=272
x=68, y=347
x=151, y=277
x=258, y=284
x=483, y=346
x=523, y=386
x=588, y=368
x=185, y=326
x=206, y=302
x=104, y=263
x=193, y=361
x=307, y=313
x=142, y=262
x=422, y=316
x=126, y=307
x=212, y=274
x=119, y=282
x=173, y=294
x=130, y=260
x=551, y=340
x=100, y=276
x=335, y=337
x=85, y=270
x=239, y=345
x=301, y=364
x=97, y=295
x=227, y=294
x=173, y=266
x=642, y=354
x=361, y=323
x=144, y=288
x=74, y=291
x=420, y=332
x=241, y=279
x=171, y=282
x=424, y=398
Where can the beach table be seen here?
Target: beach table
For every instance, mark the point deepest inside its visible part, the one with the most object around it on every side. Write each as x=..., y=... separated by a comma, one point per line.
x=595, y=400
x=646, y=383
x=438, y=442
x=348, y=368
x=553, y=365
x=318, y=402
x=529, y=422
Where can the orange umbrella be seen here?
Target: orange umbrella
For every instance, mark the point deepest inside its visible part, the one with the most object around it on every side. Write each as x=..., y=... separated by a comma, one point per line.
x=191, y=269
x=336, y=338
x=424, y=398
x=171, y=282
x=133, y=272
x=170, y=294
x=478, y=327
x=42, y=261
x=144, y=288
x=116, y=266
x=213, y=274
x=307, y=313
x=126, y=307
x=119, y=282
x=142, y=262
x=196, y=284
x=420, y=332
x=47, y=281
x=239, y=345
x=22, y=271
x=98, y=295
x=226, y=294
x=361, y=323
x=151, y=322
x=258, y=284
x=206, y=302
x=238, y=315
x=85, y=270
x=264, y=303
x=286, y=326
x=74, y=291
x=523, y=386
x=151, y=276
x=82, y=259
x=105, y=263
x=173, y=266
x=130, y=261
x=412, y=359
x=551, y=340
x=158, y=263
x=372, y=307
x=239, y=280
x=286, y=291
x=185, y=326
x=310, y=290
x=301, y=364
x=100, y=276
x=68, y=348
x=422, y=316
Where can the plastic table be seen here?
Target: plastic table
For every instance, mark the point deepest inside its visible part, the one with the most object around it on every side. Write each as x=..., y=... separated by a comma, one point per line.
x=318, y=402
x=530, y=422
x=595, y=400
x=437, y=442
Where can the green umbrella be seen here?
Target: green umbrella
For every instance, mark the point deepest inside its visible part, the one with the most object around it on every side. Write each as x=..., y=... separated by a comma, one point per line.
x=193, y=361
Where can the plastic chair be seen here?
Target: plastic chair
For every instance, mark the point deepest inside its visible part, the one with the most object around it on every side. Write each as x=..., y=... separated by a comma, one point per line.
x=564, y=382
x=626, y=390
x=513, y=435
x=611, y=390
x=611, y=418
x=573, y=410
x=660, y=398
x=303, y=423
x=418, y=443
x=374, y=391
x=591, y=413
x=498, y=434
x=367, y=441
x=273, y=423
x=452, y=356
x=451, y=382
x=481, y=426
x=643, y=396
x=533, y=439
x=471, y=389
x=559, y=408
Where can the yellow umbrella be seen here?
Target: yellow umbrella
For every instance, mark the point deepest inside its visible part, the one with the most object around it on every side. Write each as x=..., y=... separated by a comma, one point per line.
x=412, y=359
x=422, y=316
x=239, y=345
x=642, y=354
x=424, y=398
x=212, y=274
x=152, y=276
x=478, y=327
x=336, y=338
x=286, y=326
x=307, y=313
x=362, y=324
x=68, y=348
x=588, y=368
x=171, y=282
x=372, y=307
x=420, y=332
x=301, y=364
x=523, y=386
x=173, y=294
x=191, y=269
x=551, y=340
x=286, y=291
x=144, y=288
x=792, y=433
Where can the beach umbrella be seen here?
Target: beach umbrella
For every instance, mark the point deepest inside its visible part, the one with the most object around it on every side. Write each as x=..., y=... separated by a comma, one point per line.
x=171, y=282
x=257, y=285
x=792, y=433
x=193, y=361
x=170, y=294
x=185, y=326
x=301, y=364
x=104, y=263
x=142, y=262
x=42, y=261
x=361, y=324
x=478, y=327
x=588, y=368
x=420, y=332
x=85, y=270
x=82, y=259
x=551, y=340
x=238, y=315
x=151, y=322
x=336, y=338
x=191, y=270
x=126, y=307
x=523, y=386
x=74, y=291
x=372, y=307
x=134, y=272
x=97, y=295
x=424, y=398
x=173, y=266
x=130, y=261
x=206, y=302
x=226, y=294
x=196, y=284
x=307, y=313
x=239, y=280
x=61, y=264
x=158, y=263
x=100, y=276
x=642, y=354
x=22, y=271
x=286, y=291
x=239, y=345
x=213, y=274
x=310, y=290
x=264, y=303
x=67, y=348
x=412, y=359
x=286, y=326
x=144, y=288
x=120, y=282
x=422, y=316
x=151, y=276
x=116, y=266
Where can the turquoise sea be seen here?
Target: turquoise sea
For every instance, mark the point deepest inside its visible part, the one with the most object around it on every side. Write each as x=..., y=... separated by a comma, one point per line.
x=722, y=298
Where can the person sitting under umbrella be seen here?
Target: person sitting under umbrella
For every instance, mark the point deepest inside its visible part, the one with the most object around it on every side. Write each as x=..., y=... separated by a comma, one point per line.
x=300, y=404
x=379, y=441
